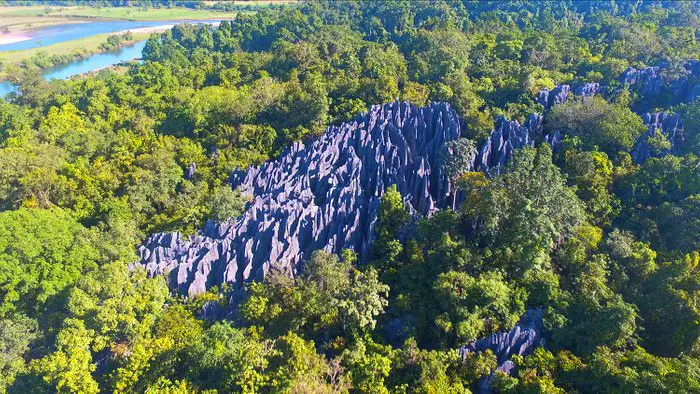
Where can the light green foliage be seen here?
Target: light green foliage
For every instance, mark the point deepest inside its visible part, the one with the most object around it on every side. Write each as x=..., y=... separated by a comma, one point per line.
x=364, y=300
x=633, y=369
x=69, y=368
x=228, y=358
x=117, y=303
x=91, y=166
x=437, y=53
x=331, y=297
x=43, y=253
x=225, y=203
x=609, y=127
x=299, y=369
x=438, y=371
x=458, y=157
x=390, y=218
x=469, y=302
x=368, y=364
x=592, y=174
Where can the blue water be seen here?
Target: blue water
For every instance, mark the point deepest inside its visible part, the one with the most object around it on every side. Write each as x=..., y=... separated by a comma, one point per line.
x=61, y=33
x=90, y=63
x=6, y=88
x=94, y=62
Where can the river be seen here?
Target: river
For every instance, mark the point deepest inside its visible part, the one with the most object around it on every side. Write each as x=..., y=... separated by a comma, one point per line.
x=71, y=31
x=94, y=62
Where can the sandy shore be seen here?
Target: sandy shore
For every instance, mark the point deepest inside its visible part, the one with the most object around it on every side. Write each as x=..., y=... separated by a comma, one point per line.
x=11, y=38
x=157, y=29
x=152, y=29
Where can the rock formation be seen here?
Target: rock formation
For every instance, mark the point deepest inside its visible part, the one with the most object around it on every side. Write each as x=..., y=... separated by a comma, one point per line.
x=648, y=80
x=588, y=89
x=508, y=136
x=558, y=95
x=669, y=125
x=681, y=84
x=324, y=196
x=521, y=340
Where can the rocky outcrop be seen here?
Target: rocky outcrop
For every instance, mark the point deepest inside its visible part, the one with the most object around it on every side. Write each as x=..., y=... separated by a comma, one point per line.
x=649, y=83
x=669, y=125
x=664, y=84
x=648, y=80
x=588, y=89
x=324, y=196
x=508, y=136
x=521, y=340
x=558, y=95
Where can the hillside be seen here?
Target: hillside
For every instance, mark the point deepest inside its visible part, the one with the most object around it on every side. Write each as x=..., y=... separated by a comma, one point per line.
x=362, y=197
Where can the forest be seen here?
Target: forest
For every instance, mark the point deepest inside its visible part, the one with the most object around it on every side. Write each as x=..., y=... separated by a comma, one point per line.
x=594, y=224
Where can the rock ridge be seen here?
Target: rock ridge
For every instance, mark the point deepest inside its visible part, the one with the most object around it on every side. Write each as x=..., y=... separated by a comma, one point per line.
x=322, y=196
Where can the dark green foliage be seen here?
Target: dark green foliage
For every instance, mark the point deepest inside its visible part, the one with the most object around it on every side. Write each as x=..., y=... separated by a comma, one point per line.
x=530, y=209
x=608, y=249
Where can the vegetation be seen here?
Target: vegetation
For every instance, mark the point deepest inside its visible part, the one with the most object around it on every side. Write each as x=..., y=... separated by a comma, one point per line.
x=607, y=248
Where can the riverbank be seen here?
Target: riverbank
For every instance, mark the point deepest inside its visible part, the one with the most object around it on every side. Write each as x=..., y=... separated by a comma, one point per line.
x=11, y=38
x=60, y=53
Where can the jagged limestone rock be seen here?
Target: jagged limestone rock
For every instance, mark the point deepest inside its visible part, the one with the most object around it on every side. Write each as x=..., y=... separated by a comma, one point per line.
x=323, y=196
x=326, y=195
x=558, y=95
x=669, y=125
x=521, y=340
x=588, y=89
x=649, y=79
x=508, y=136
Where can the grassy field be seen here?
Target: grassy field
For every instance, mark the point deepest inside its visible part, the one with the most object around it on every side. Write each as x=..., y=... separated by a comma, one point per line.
x=140, y=14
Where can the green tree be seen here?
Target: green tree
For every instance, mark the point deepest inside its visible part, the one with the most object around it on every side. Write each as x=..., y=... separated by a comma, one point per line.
x=458, y=159
x=43, y=253
x=225, y=203
x=468, y=303
x=609, y=127
x=69, y=368
x=529, y=207
x=16, y=335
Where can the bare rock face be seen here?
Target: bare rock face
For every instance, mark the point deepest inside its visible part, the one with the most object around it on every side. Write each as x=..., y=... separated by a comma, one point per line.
x=649, y=79
x=669, y=125
x=558, y=95
x=588, y=89
x=324, y=196
x=508, y=136
x=521, y=340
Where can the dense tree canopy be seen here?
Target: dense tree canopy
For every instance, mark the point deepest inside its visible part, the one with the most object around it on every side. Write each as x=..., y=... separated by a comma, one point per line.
x=607, y=248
